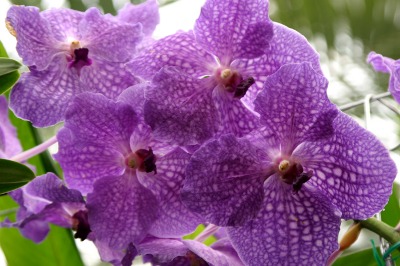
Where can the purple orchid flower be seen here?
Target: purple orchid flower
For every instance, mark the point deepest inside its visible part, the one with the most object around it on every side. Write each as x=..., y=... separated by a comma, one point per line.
x=46, y=200
x=387, y=65
x=283, y=189
x=68, y=52
x=9, y=143
x=132, y=181
x=219, y=69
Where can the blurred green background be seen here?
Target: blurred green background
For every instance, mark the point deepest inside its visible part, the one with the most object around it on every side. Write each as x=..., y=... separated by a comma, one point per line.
x=343, y=32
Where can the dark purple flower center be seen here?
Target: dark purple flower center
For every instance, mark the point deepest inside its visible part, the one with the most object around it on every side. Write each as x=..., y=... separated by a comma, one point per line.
x=234, y=82
x=80, y=59
x=189, y=259
x=293, y=174
x=81, y=225
x=195, y=260
x=143, y=160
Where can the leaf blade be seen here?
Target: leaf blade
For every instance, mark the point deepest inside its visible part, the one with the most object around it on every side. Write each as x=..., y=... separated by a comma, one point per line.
x=13, y=175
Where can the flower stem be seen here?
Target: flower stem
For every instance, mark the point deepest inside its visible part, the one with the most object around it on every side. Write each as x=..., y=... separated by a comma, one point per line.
x=382, y=229
x=23, y=156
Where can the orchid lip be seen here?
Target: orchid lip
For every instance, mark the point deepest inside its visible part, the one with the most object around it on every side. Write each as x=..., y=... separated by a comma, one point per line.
x=143, y=160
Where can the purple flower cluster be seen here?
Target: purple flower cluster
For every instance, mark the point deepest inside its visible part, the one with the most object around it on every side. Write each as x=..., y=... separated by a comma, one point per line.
x=228, y=125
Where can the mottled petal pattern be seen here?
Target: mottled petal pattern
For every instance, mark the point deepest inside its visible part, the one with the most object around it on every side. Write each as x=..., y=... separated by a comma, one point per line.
x=180, y=109
x=84, y=162
x=286, y=46
x=179, y=50
x=42, y=97
x=235, y=117
x=97, y=119
x=145, y=13
x=36, y=45
x=292, y=105
x=107, y=78
x=134, y=96
x=290, y=229
x=63, y=23
x=352, y=167
x=174, y=218
x=234, y=29
x=103, y=36
x=116, y=210
x=224, y=182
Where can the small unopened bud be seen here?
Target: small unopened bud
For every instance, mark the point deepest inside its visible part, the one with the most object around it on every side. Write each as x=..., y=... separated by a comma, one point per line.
x=350, y=236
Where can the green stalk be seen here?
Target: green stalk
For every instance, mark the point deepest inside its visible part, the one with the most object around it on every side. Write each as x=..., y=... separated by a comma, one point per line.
x=381, y=229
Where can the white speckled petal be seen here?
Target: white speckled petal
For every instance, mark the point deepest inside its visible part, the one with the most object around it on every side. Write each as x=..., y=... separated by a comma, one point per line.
x=145, y=13
x=94, y=118
x=121, y=210
x=134, y=96
x=234, y=29
x=35, y=43
x=294, y=107
x=174, y=218
x=179, y=50
x=286, y=46
x=84, y=162
x=107, y=78
x=235, y=117
x=291, y=229
x=180, y=109
x=63, y=23
x=224, y=181
x=42, y=97
x=352, y=167
x=108, y=38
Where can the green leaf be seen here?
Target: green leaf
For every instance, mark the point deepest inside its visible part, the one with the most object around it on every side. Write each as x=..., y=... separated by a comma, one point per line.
x=361, y=258
x=8, y=65
x=107, y=6
x=57, y=249
x=8, y=80
x=391, y=213
x=137, y=2
x=3, y=52
x=13, y=175
x=77, y=5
